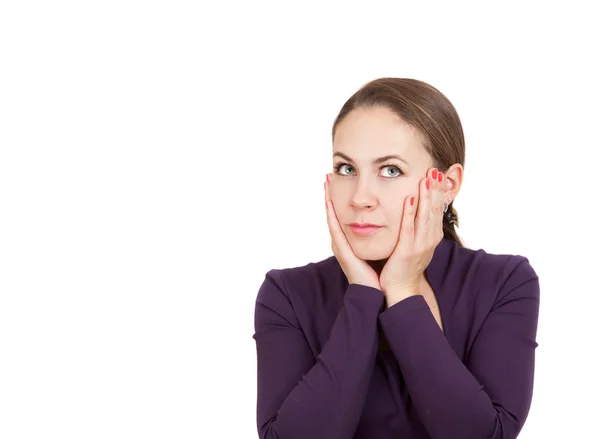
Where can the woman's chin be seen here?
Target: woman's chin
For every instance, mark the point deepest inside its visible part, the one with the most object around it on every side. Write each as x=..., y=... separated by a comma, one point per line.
x=371, y=253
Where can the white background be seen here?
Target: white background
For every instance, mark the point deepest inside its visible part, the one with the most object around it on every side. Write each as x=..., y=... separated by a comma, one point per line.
x=158, y=158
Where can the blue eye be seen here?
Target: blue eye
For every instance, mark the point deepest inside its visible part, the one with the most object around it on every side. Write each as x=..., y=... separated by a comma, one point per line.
x=393, y=167
x=339, y=165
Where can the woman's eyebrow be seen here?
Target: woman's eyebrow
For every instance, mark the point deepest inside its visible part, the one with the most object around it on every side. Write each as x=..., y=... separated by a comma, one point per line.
x=376, y=161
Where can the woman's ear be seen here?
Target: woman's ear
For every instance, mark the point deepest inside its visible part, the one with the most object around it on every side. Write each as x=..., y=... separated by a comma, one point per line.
x=454, y=178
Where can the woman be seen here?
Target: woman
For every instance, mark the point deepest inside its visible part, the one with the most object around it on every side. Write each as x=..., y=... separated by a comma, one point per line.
x=404, y=332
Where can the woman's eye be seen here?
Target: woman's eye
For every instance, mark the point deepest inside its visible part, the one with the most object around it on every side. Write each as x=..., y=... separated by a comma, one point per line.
x=340, y=166
x=394, y=173
x=397, y=170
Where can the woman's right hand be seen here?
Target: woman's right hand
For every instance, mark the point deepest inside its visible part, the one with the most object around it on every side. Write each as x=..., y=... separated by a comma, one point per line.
x=357, y=271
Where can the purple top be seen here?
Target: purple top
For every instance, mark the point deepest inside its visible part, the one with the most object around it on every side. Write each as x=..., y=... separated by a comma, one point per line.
x=321, y=373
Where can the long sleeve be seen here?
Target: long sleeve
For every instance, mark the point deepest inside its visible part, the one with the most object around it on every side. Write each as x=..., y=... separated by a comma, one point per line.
x=300, y=396
x=487, y=397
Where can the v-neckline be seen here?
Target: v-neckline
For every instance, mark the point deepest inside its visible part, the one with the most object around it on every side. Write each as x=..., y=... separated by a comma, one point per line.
x=434, y=274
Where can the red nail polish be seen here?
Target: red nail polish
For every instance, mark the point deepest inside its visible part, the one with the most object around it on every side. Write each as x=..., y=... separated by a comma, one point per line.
x=427, y=183
x=440, y=176
x=434, y=174
x=412, y=200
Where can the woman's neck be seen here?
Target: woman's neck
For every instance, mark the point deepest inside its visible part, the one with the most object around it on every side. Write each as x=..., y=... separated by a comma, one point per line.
x=377, y=265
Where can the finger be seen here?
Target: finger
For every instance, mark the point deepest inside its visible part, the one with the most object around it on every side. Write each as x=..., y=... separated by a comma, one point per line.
x=337, y=235
x=438, y=230
x=437, y=207
x=407, y=229
x=330, y=223
x=326, y=185
x=424, y=216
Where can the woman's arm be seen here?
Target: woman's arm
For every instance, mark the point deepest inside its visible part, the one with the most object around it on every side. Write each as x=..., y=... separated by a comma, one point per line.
x=490, y=396
x=300, y=396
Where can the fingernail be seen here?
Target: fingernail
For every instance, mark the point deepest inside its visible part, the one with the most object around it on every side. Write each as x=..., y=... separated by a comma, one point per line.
x=327, y=177
x=412, y=200
x=434, y=174
x=427, y=183
x=440, y=176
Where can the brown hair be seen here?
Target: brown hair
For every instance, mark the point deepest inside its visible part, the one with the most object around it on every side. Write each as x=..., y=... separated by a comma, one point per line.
x=425, y=108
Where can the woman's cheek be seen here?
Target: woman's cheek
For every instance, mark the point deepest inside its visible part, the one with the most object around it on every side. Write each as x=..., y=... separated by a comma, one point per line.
x=397, y=216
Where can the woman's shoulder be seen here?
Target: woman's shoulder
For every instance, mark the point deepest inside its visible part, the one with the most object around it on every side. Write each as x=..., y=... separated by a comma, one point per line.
x=324, y=280
x=501, y=263
x=498, y=272
x=308, y=278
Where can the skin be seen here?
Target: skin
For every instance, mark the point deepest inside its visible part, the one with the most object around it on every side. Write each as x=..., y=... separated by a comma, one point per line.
x=361, y=191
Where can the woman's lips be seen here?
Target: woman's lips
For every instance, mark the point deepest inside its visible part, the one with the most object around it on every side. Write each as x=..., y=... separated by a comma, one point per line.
x=364, y=231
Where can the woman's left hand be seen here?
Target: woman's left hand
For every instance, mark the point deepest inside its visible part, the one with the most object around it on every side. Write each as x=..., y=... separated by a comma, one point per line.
x=420, y=233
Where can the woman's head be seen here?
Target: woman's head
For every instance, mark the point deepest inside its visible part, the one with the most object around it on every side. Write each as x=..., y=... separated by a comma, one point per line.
x=392, y=116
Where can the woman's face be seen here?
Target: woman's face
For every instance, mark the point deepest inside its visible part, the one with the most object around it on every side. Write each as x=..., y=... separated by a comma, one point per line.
x=366, y=191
